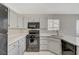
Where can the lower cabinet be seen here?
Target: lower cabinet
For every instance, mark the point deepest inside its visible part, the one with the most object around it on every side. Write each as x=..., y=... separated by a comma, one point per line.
x=54, y=45
x=77, y=50
x=17, y=48
x=22, y=47
x=43, y=47
x=43, y=43
x=13, y=48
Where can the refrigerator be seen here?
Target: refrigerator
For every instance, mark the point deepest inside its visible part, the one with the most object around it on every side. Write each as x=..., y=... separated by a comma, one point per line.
x=3, y=29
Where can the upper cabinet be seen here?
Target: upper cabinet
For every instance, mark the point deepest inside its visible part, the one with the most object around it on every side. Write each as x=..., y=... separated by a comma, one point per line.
x=12, y=22
x=33, y=19
x=37, y=19
x=20, y=22
x=25, y=22
x=15, y=20
x=53, y=24
x=43, y=23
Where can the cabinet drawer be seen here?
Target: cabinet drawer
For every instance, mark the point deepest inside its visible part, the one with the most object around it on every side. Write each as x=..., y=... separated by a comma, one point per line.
x=77, y=50
x=12, y=46
x=55, y=47
x=55, y=40
x=43, y=47
x=22, y=46
x=43, y=41
x=13, y=52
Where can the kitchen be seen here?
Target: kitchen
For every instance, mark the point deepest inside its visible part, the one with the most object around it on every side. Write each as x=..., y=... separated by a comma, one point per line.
x=55, y=28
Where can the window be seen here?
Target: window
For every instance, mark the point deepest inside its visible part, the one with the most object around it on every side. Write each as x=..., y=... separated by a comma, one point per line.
x=53, y=24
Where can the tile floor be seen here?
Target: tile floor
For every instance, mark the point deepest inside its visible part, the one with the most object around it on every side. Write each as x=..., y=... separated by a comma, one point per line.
x=39, y=53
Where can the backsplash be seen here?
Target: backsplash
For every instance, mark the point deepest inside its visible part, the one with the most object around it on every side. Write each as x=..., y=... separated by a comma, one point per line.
x=42, y=31
x=16, y=30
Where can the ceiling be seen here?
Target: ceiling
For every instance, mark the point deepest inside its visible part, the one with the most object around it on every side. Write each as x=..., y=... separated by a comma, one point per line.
x=44, y=8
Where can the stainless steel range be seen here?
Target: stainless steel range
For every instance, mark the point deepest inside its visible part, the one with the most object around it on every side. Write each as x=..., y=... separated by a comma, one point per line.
x=32, y=39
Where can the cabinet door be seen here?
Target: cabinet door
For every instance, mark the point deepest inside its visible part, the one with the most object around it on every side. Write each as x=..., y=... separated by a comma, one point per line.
x=77, y=50
x=43, y=41
x=15, y=20
x=13, y=49
x=55, y=46
x=12, y=19
x=30, y=19
x=21, y=46
x=20, y=21
x=43, y=23
x=25, y=22
x=43, y=47
x=33, y=19
x=36, y=19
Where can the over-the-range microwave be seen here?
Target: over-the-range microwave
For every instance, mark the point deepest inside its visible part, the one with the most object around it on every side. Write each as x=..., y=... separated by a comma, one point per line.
x=33, y=25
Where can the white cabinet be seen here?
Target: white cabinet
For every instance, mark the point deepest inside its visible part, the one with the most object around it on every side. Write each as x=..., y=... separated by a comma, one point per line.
x=43, y=23
x=25, y=22
x=43, y=47
x=54, y=45
x=13, y=49
x=17, y=48
x=12, y=19
x=22, y=46
x=77, y=50
x=33, y=19
x=43, y=43
x=15, y=20
x=20, y=21
x=36, y=19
